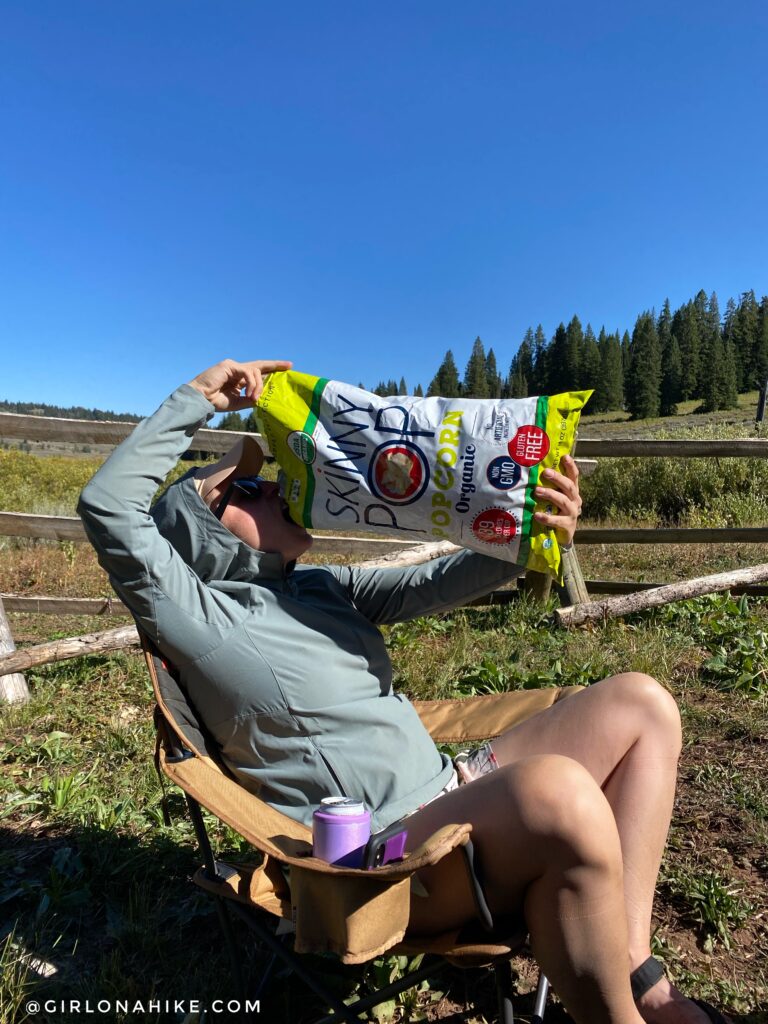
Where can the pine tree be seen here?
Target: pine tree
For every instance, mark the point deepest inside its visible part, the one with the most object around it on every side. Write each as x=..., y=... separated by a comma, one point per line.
x=671, y=376
x=559, y=376
x=251, y=423
x=526, y=355
x=402, y=387
x=418, y=391
x=728, y=336
x=538, y=383
x=475, y=384
x=712, y=350
x=572, y=372
x=671, y=365
x=625, y=361
x=644, y=391
x=685, y=329
x=231, y=421
x=714, y=380
x=492, y=375
x=589, y=361
x=664, y=327
x=729, y=395
x=446, y=381
x=746, y=338
x=761, y=346
x=521, y=374
x=610, y=393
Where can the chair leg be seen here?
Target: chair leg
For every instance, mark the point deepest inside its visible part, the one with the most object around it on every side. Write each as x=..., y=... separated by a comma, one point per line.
x=503, y=974
x=542, y=991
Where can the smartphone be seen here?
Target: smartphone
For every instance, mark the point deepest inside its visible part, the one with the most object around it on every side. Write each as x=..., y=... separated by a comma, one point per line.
x=385, y=846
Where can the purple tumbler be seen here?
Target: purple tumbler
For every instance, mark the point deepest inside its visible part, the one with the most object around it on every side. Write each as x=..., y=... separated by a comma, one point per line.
x=341, y=827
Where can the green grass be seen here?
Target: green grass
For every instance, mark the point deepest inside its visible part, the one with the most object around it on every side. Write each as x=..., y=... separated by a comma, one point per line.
x=94, y=883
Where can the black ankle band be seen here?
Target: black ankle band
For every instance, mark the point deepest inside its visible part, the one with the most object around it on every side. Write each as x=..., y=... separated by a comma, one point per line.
x=645, y=977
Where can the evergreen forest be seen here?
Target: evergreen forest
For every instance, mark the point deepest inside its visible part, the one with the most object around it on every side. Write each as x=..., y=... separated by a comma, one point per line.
x=694, y=352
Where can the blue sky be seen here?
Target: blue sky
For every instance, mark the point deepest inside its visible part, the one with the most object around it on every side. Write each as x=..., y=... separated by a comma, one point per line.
x=359, y=187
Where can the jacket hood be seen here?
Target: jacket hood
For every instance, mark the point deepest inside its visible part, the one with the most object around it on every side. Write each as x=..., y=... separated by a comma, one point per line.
x=205, y=544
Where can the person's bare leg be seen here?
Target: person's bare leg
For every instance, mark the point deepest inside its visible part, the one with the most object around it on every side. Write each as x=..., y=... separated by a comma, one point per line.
x=547, y=842
x=626, y=732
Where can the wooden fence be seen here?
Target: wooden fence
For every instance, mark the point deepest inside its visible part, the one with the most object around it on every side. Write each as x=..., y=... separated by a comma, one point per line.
x=38, y=429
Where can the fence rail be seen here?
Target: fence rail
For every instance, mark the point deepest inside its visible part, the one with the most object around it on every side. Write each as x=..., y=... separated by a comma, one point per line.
x=15, y=427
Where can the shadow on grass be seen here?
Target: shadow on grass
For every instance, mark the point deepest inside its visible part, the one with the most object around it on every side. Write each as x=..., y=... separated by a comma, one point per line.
x=102, y=917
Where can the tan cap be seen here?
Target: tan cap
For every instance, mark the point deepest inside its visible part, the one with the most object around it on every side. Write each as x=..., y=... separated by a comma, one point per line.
x=244, y=458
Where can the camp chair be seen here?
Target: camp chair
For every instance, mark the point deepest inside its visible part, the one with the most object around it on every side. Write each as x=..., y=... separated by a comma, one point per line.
x=355, y=914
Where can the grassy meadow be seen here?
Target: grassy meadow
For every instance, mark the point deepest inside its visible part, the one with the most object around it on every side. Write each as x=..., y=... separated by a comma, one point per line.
x=95, y=901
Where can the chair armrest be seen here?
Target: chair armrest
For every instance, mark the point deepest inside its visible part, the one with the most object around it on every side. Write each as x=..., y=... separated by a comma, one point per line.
x=472, y=719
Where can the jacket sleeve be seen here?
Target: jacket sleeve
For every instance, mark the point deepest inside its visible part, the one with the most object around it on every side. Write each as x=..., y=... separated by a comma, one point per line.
x=394, y=595
x=150, y=577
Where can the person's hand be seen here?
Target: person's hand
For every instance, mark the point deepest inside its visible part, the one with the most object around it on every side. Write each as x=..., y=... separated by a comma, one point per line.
x=223, y=383
x=562, y=491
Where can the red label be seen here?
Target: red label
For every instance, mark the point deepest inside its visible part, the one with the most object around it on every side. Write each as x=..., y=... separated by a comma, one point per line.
x=495, y=526
x=529, y=445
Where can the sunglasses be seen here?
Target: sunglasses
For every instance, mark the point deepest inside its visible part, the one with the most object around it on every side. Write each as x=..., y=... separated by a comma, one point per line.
x=250, y=486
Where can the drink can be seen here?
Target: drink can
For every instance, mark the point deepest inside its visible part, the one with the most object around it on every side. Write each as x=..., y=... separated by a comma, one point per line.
x=341, y=826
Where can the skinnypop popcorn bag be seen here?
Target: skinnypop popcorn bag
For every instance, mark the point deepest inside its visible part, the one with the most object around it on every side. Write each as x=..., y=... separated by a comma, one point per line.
x=425, y=469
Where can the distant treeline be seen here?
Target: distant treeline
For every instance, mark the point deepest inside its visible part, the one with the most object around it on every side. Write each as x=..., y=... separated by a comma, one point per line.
x=691, y=353
x=70, y=412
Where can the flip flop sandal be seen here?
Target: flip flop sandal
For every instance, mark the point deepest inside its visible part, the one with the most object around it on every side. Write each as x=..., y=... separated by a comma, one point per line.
x=645, y=976
x=652, y=971
x=714, y=1015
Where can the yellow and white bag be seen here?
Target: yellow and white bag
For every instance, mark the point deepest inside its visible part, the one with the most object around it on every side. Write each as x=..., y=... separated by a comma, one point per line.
x=425, y=469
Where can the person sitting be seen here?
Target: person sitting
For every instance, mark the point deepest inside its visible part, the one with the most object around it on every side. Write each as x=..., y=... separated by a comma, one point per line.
x=286, y=666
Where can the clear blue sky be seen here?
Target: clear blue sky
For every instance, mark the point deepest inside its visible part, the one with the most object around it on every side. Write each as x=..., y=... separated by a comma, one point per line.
x=361, y=186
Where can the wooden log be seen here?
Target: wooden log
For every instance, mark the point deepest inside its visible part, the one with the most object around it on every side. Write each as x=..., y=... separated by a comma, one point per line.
x=631, y=587
x=50, y=428
x=414, y=555
x=672, y=535
x=20, y=524
x=71, y=647
x=13, y=685
x=620, y=448
x=615, y=607
x=573, y=580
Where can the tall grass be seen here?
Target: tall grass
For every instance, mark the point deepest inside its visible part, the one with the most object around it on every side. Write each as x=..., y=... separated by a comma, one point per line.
x=685, y=492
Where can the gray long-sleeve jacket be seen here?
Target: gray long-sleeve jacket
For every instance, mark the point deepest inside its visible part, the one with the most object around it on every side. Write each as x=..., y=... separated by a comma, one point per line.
x=285, y=665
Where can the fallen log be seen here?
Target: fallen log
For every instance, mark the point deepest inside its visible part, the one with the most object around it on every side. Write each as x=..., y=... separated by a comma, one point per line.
x=70, y=647
x=410, y=556
x=615, y=607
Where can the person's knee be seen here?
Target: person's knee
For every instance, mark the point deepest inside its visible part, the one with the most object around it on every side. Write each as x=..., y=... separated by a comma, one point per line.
x=562, y=805
x=651, y=705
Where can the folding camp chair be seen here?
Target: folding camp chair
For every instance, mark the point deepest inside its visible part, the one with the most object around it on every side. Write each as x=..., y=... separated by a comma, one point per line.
x=356, y=914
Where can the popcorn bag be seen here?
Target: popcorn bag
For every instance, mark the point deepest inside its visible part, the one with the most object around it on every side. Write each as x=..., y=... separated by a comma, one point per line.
x=424, y=469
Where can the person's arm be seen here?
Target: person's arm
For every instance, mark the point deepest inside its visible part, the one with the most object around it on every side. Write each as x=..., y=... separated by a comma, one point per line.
x=393, y=595
x=147, y=573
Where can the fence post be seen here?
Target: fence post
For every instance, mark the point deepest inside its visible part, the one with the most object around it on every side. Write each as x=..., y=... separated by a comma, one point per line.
x=13, y=687
x=761, y=402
